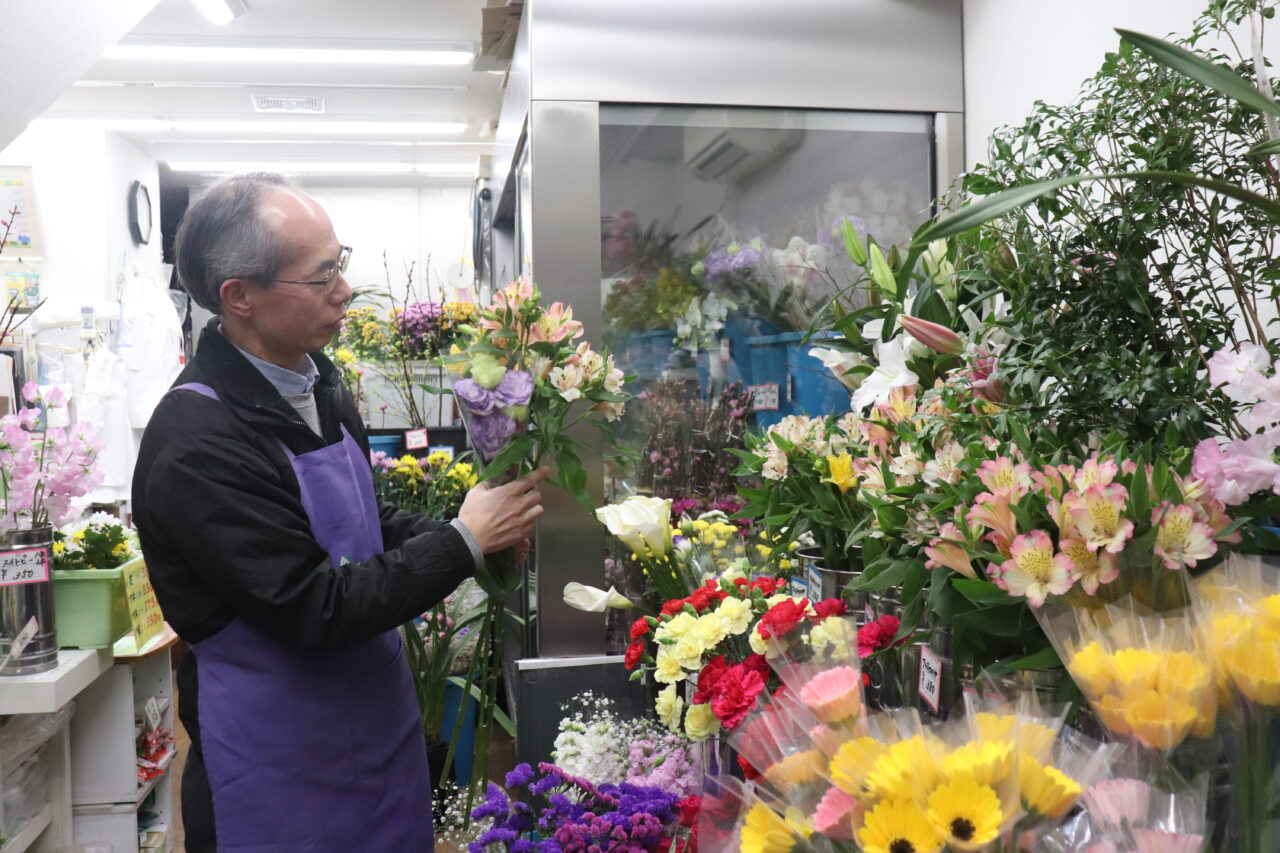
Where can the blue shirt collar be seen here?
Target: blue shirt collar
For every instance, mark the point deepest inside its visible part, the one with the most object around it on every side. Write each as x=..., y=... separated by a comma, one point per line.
x=284, y=380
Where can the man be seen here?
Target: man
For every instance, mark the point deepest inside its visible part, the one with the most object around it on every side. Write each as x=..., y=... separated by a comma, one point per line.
x=254, y=501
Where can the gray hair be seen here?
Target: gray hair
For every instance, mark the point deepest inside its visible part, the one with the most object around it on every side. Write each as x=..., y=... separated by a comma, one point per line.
x=222, y=236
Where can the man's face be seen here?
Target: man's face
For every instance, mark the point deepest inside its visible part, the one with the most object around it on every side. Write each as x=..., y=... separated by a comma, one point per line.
x=288, y=318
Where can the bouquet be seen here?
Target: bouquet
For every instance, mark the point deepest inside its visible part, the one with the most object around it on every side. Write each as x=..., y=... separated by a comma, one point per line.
x=99, y=542
x=40, y=477
x=522, y=384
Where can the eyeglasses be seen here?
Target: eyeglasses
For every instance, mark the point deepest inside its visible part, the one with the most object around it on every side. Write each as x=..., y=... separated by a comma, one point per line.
x=331, y=278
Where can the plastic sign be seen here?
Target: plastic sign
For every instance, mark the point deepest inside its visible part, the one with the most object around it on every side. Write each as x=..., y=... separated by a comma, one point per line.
x=415, y=439
x=930, y=678
x=152, y=710
x=764, y=398
x=144, y=610
x=27, y=565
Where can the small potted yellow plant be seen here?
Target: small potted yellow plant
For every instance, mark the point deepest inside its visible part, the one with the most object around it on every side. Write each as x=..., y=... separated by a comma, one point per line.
x=89, y=562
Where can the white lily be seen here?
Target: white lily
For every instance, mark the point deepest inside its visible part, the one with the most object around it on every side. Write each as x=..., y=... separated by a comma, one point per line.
x=892, y=372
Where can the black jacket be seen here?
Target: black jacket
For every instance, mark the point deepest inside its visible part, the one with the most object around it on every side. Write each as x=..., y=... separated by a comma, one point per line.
x=225, y=536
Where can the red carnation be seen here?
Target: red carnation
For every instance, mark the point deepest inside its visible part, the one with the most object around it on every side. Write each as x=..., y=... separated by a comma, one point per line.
x=748, y=772
x=701, y=598
x=708, y=678
x=635, y=651
x=689, y=808
x=640, y=627
x=756, y=663
x=781, y=618
x=829, y=607
x=766, y=585
x=736, y=694
x=877, y=635
x=672, y=607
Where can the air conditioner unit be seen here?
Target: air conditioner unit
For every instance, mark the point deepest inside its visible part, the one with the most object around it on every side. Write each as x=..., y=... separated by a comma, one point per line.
x=722, y=155
x=283, y=104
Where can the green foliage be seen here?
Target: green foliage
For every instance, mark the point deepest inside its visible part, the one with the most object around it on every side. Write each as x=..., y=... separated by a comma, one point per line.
x=1120, y=289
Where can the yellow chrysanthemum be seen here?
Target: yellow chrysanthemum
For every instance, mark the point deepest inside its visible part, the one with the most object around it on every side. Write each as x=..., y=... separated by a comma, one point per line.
x=765, y=831
x=1093, y=669
x=1183, y=675
x=1253, y=662
x=906, y=771
x=898, y=826
x=1045, y=789
x=796, y=769
x=987, y=762
x=1158, y=721
x=966, y=814
x=996, y=726
x=853, y=761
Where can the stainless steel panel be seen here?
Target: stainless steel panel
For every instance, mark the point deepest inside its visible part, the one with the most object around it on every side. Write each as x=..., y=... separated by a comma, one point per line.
x=827, y=54
x=565, y=212
x=512, y=120
x=948, y=136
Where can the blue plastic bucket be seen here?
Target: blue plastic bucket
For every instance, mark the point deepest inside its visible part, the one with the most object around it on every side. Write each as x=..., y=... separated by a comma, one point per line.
x=768, y=357
x=814, y=390
x=462, y=755
x=392, y=445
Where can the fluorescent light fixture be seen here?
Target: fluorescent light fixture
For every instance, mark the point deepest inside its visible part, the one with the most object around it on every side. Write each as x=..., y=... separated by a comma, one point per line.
x=295, y=55
x=296, y=126
x=304, y=167
x=308, y=126
x=220, y=12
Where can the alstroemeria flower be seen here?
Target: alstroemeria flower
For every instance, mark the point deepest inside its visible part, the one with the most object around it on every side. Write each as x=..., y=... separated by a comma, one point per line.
x=1098, y=514
x=945, y=552
x=993, y=512
x=555, y=324
x=1095, y=473
x=944, y=466
x=1181, y=540
x=841, y=475
x=1035, y=571
x=1003, y=477
x=568, y=381
x=1095, y=568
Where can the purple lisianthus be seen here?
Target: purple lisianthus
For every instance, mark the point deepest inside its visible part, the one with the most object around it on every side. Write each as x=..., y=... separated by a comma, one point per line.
x=477, y=400
x=515, y=389
x=490, y=433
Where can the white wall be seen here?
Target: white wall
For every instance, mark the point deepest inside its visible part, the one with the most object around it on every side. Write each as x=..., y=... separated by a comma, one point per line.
x=1019, y=51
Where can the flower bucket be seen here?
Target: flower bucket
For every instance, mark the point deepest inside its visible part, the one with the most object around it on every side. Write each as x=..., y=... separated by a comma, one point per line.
x=768, y=360
x=655, y=352
x=392, y=445
x=91, y=606
x=466, y=735
x=27, y=595
x=814, y=391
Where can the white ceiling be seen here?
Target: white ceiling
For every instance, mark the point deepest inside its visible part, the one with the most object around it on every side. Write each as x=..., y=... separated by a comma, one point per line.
x=118, y=88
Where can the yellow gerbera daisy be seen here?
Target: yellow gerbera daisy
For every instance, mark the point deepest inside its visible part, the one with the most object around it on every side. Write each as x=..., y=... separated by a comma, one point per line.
x=1159, y=721
x=853, y=761
x=796, y=769
x=765, y=831
x=967, y=815
x=898, y=826
x=988, y=762
x=905, y=772
x=1046, y=790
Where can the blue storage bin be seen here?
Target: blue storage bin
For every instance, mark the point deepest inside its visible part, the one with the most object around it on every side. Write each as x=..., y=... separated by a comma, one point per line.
x=768, y=358
x=814, y=390
x=462, y=756
x=392, y=445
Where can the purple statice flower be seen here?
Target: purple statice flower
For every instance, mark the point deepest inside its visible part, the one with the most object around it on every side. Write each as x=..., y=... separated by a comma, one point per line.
x=475, y=398
x=490, y=433
x=515, y=389
x=722, y=262
x=419, y=327
x=520, y=776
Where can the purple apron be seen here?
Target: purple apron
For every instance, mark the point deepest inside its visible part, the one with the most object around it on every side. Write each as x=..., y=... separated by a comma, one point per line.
x=315, y=751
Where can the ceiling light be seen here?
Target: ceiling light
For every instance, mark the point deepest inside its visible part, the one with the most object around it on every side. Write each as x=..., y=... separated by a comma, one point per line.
x=295, y=126
x=337, y=167
x=452, y=54
x=220, y=12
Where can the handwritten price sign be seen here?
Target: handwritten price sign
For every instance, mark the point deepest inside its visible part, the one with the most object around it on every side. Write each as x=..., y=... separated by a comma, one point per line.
x=29, y=565
x=144, y=610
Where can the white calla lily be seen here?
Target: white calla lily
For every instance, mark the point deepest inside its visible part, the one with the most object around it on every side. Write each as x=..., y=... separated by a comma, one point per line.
x=593, y=599
x=643, y=523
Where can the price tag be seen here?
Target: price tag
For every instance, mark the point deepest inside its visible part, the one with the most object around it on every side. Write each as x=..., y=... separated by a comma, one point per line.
x=144, y=610
x=724, y=349
x=798, y=586
x=764, y=398
x=152, y=710
x=24, y=638
x=930, y=687
x=815, y=584
x=446, y=449
x=415, y=439
x=30, y=565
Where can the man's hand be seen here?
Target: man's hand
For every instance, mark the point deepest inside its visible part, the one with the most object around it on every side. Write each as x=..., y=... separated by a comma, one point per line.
x=503, y=517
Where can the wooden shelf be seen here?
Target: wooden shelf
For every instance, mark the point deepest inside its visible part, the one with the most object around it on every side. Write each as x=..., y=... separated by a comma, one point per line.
x=48, y=691
x=29, y=833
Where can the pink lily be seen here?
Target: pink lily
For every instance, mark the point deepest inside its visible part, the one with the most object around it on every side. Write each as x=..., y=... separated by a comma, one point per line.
x=936, y=337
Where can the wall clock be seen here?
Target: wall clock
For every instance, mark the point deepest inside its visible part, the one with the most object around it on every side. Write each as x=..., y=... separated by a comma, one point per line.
x=139, y=213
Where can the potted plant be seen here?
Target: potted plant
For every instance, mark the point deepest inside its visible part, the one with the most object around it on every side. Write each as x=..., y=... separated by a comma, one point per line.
x=40, y=475
x=90, y=559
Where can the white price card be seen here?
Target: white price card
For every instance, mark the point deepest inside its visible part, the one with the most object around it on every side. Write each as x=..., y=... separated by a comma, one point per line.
x=29, y=565
x=764, y=398
x=415, y=439
x=152, y=710
x=930, y=678
x=24, y=638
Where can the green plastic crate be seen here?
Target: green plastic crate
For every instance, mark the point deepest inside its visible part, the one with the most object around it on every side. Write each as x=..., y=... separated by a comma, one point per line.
x=90, y=610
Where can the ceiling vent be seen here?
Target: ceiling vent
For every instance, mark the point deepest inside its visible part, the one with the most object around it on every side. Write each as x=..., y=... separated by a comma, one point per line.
x=278, y=104
x=727, y=154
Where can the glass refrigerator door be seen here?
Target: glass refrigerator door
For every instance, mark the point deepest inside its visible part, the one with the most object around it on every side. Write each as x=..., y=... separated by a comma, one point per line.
x=721, y=248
